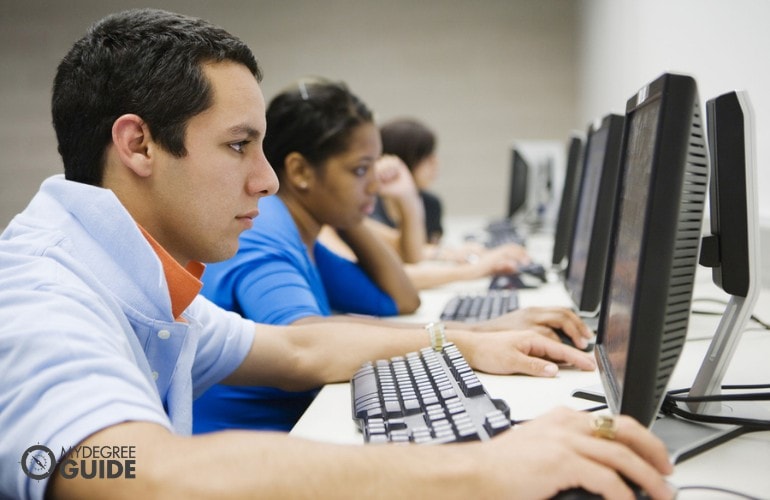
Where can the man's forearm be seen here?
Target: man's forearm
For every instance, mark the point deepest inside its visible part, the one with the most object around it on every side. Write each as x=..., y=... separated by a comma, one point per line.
x=242, y=464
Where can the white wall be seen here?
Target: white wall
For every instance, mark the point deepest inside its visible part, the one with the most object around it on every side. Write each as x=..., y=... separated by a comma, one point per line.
x=723, y=44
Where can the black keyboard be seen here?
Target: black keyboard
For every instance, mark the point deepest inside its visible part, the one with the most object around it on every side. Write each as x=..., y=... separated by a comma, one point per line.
x=469, y=308
x=502, y=231
x=425, y=397
x=504, y=238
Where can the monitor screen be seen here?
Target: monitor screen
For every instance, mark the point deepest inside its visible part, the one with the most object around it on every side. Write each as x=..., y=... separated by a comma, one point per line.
x=517, y=189
x=569, y=199
x=654, y=248
x=588, y=251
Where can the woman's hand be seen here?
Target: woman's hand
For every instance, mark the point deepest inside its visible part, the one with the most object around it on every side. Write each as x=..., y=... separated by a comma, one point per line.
x=396, y=180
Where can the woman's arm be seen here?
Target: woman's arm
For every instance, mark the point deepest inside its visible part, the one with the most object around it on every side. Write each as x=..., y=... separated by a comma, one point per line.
x=500, y=260
x=384, y=267
x=398, y=190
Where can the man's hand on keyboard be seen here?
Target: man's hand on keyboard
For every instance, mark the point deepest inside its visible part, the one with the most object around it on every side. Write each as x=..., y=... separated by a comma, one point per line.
x=518, y=351
x=543, y=320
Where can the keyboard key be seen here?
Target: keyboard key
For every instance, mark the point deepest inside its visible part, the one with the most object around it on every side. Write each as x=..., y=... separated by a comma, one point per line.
x=496, y=422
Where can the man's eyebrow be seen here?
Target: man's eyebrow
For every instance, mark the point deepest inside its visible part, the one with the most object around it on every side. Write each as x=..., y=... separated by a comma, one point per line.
x=248, y=130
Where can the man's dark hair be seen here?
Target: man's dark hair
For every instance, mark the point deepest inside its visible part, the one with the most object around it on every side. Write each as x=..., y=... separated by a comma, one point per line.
x=315, y=118
x=144, y=61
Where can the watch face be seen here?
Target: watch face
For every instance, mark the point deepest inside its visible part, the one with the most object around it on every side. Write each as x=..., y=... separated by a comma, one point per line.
x=38, y=462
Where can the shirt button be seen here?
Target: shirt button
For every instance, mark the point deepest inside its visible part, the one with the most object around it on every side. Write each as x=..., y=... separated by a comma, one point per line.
x=155, y=375
x=164, y=334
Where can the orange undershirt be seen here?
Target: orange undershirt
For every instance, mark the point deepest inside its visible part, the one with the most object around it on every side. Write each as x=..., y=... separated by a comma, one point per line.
x=184, y=284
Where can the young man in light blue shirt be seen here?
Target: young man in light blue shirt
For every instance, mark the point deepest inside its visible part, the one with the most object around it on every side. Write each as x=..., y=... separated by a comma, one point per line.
x=104, y=341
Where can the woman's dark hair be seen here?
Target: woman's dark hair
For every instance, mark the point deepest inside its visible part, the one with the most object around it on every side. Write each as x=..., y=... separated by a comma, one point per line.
x=144, y=61
x=408, y=139
x=315, y=118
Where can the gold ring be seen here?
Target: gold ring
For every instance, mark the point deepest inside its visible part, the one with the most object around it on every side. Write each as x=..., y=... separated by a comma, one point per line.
x=604, y=426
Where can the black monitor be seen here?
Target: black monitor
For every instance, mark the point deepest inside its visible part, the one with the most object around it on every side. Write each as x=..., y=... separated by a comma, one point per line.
x=732, y=249
x=589, y=248
x=569, y=199
x=654, y=246
x=518, y=182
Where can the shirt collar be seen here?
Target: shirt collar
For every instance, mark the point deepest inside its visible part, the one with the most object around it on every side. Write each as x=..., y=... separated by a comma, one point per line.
x=184, y=284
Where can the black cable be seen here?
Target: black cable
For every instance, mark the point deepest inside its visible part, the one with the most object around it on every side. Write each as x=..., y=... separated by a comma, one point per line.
x=670, y=407
x=753, y=317
x=718, y=489
x=727, y=387
x=709, y=299
x=745, y=386
x=586, y=410
x=706, y=313
x=595, y=408
x=753, y=396
x=764, y=325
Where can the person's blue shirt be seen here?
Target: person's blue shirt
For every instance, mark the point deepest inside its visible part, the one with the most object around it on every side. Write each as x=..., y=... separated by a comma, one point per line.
x=272, y=280
x=88, y=336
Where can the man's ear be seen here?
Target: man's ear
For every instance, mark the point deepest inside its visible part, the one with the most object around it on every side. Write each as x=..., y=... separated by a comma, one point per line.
x=131, y=138
x=299, y=173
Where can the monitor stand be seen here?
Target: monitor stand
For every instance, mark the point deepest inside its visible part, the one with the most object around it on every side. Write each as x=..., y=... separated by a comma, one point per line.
x=683, y=438
x=720, y=352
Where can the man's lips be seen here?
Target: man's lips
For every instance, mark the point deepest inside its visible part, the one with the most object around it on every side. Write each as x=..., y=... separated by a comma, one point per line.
x=251, y=214
x=247, y=218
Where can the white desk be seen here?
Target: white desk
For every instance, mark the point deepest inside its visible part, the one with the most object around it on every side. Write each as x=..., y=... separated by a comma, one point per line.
x=742, y=464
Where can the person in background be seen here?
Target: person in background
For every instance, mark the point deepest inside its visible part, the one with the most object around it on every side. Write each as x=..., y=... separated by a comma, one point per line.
x=414, y=144
x=326, y=152
x=104, y=341
x=415, y=230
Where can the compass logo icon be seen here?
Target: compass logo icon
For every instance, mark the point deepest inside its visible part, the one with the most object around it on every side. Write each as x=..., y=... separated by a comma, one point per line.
x=38, y=462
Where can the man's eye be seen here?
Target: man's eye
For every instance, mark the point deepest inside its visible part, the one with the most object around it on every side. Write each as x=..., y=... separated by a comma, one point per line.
x=239, y=147
x=361, y=171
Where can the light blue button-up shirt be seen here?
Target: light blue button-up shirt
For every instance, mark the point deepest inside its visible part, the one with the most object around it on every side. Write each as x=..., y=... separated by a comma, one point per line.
x=87, y=336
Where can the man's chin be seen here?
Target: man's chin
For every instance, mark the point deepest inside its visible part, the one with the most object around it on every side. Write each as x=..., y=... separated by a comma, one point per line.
x=222, y=253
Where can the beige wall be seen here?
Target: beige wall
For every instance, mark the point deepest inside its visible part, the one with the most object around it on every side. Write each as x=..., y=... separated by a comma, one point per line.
x=482, y=73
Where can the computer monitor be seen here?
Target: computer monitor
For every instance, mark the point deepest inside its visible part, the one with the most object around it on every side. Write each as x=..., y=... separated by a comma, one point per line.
x=732, y=249
x=569, y=200
x=589, y=249
x=518, y=183
x=654, y=246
